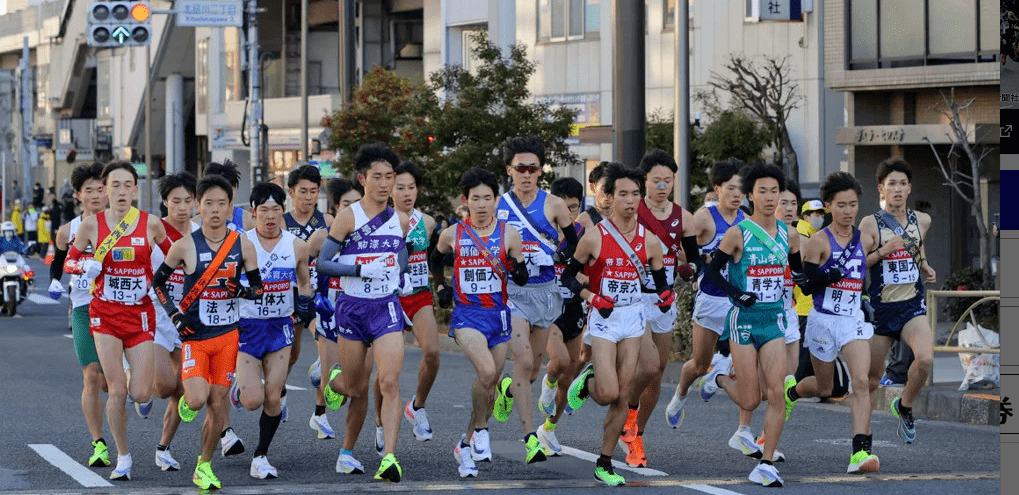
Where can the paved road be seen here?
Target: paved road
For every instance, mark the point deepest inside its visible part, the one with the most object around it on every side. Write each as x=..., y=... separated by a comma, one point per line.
x=42, y=387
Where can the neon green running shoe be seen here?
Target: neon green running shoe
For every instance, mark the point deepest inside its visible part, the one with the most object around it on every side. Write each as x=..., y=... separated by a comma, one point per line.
x=204, y=477
x=389, y=470
x=503, y=402
x=790, y=382
x=863, y=462
x=573, y=399
x=535, y=453
x=608, y=476
x=333, y=399
x=185, y=412
x=100, y=455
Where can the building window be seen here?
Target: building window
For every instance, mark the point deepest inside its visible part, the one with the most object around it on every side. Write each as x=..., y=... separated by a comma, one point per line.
x=103, y=106
x=669, y=13
x=911, y=33
x=561, y=20
x=202, y=75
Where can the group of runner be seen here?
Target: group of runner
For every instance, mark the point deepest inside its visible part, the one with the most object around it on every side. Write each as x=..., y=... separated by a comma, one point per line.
x=225, y=296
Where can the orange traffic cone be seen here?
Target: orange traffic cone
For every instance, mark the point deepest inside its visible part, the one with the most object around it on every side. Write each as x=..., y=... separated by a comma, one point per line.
x=49, y=255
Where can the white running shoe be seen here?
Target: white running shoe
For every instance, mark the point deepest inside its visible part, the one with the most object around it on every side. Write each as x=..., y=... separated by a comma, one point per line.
x=547, y=400
x=321, y=425
x=230, y=443
x=380, y=440
x=708, y=384
x=123, y=470
x=744, y=442
x=346, y=464
x=548, y=441
x=165, y=461
x=315, y=373
x=481, y=449
x=261, y=469
x=464, y=457
x=143, y=410
x=777, y=456
x=284, y=414
x=674, y=413
x=765, y=475
x=419, y=420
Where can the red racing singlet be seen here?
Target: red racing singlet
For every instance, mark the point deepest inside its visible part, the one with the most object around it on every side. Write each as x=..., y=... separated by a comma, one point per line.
x=613, y=274
x=127, y=267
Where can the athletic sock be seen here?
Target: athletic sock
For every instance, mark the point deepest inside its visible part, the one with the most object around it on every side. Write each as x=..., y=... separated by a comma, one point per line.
x=283, y=393
x=743, y=428
x=480, y=429
x=633, y=407
x=764, y=461
x=222, y=434
x=162, y=448
x=528, y=436
x=101, y=440
x=551, y=384
x=604, y=461
x=267, y=426
x=319, y=410
x=859, y=442
x=549, y=425
x=904, y=409
x=346, y=452
x=867, y=443
x=792, y=394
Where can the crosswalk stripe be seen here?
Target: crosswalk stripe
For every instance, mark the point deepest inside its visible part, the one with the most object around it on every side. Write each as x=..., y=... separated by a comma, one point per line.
x=36, y=298
x=713, y=490
x=62, y=461
x=587, y=456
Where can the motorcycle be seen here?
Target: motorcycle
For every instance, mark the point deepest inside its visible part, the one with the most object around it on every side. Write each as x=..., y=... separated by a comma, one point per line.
x=16, y=278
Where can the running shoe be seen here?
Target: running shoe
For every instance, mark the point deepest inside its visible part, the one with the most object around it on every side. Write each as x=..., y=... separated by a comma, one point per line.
x=573, y=399
x=608, y=476
x=634, y=451
x=674, y=413
x=235, y=396
x=907, y=425
x=321, y=426
x=765, y=475
x=503, y=402
x=230, y=443
x=744, y=442
x=187, y=415
x=284, y=413
x=790, y=382
x=333, y=399
x=123, y=470
x=143, y=410
x=464, y=457
x=863, y=462
x=204, y=477
x=165, y=461
x=380, y=440
x=534, y=451
x=315, y=373
x=100, y=455
x=548, y=440
x=419, y=420
x=708, y=384
x=389, y=470
x=347, y=464
x=776, y=456
x=261, y=469
x=546, y=402
x=481, y=448
x=630, y=427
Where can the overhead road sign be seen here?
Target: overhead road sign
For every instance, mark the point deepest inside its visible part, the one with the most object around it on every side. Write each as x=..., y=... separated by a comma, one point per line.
x=209, y=13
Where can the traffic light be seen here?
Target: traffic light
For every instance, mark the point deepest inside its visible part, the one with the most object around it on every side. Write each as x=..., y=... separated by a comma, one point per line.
x=116, y=24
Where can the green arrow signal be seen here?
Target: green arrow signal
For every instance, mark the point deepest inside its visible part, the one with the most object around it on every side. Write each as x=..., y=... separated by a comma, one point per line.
x=120, y=34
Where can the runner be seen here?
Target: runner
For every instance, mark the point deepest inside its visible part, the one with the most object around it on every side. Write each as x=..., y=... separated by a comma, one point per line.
x=835, y=267
x=602, y=202
x=757, y=260
x=416, y=300
x=206, y=319
x=369, y=237
x=710, y=304
x=563, y=346
x=538, y=217
x=178, y=193
x=87, y=181
x=267, y=326
x=617, y=252
x=121, y=317
x=675, y=227
x=487, y=253
x=896, y=287
x=303, y=220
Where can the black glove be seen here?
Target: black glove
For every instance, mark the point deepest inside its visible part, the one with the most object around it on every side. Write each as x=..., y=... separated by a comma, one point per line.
x=833, y=275
x=445, y=297
x=518, y=271
x=305, y=310
x=746, y=299
x=185, y=327
x=799, y=278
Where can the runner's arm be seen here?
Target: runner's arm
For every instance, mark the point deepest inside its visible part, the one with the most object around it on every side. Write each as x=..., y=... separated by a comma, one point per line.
x=730, y=247
x=514, y=252
x=576, y=263
x=303, y=273
x=816, y=252
x=326, y=265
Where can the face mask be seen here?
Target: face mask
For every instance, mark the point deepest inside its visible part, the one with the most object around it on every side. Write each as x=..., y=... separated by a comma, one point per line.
x=817, y=223
x=8, y=235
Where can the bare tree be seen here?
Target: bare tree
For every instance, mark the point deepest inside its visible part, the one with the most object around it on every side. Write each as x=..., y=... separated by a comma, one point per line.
x=765, y=89
x=965, y=183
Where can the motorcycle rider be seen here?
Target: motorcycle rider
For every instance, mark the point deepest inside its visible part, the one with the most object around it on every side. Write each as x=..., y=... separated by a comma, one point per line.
x=10, y=241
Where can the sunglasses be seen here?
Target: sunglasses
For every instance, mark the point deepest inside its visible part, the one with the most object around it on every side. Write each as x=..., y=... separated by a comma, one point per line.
x=527, y=168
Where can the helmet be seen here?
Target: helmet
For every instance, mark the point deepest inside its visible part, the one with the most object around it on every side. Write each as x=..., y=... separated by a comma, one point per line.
x=8, y=229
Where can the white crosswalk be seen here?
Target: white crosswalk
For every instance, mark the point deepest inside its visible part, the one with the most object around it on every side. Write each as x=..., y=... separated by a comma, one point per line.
x=65, y=463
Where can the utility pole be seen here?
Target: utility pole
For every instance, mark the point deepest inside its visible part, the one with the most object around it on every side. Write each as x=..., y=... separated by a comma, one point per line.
x=148, y=129
x=254, y=95
x=628, y=112
x=681, y=119
x=304, y=81
x=28, y=151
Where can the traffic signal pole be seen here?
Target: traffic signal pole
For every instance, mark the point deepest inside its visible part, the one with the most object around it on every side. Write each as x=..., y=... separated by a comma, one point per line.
x=254, y=95
x=28, y=150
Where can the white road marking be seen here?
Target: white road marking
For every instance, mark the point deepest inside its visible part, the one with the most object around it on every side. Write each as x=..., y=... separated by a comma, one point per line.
x=62, y=461
x=69, y=335
x=291, y=387
x=36, y=298
x=713, y=490
x=587, y=456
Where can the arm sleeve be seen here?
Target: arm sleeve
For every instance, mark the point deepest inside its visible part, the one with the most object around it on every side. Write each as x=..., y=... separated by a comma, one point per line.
x=57, y=266
x=713, y=274
x=816, y=279
x=796, y=262
x=437, y=267
x=569, y=277
x=691, y=250
x=255, y=283
x=159, y=287
x=661, y=281
x=71, y=263
x=570, y=235
x=326, y=266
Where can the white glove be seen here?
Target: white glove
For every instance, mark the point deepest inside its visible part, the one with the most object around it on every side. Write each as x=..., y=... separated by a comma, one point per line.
x=56, y=289
x=407, y=286
x=376, y=269
x=91, y=268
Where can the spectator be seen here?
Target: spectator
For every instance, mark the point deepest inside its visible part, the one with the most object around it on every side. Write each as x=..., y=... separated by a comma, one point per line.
x=38, y=195
x=31, y=221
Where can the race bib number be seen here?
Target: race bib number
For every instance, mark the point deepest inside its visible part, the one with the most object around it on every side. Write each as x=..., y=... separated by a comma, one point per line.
x=843, y=298
x=124, y=289
x=787, y=294
x=563, y=291
x=376, y=287
x=417, y=265
x=313, y=273
x=899, y=268
x=535, y=257
x=669, y=263
x=277, y=300
x=80, y=283
x=767, y=282
x=216, y=312
x=478, y=280
x=624, y=292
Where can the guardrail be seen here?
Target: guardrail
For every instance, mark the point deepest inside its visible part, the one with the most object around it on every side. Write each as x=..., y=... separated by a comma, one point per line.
x=932, y=317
